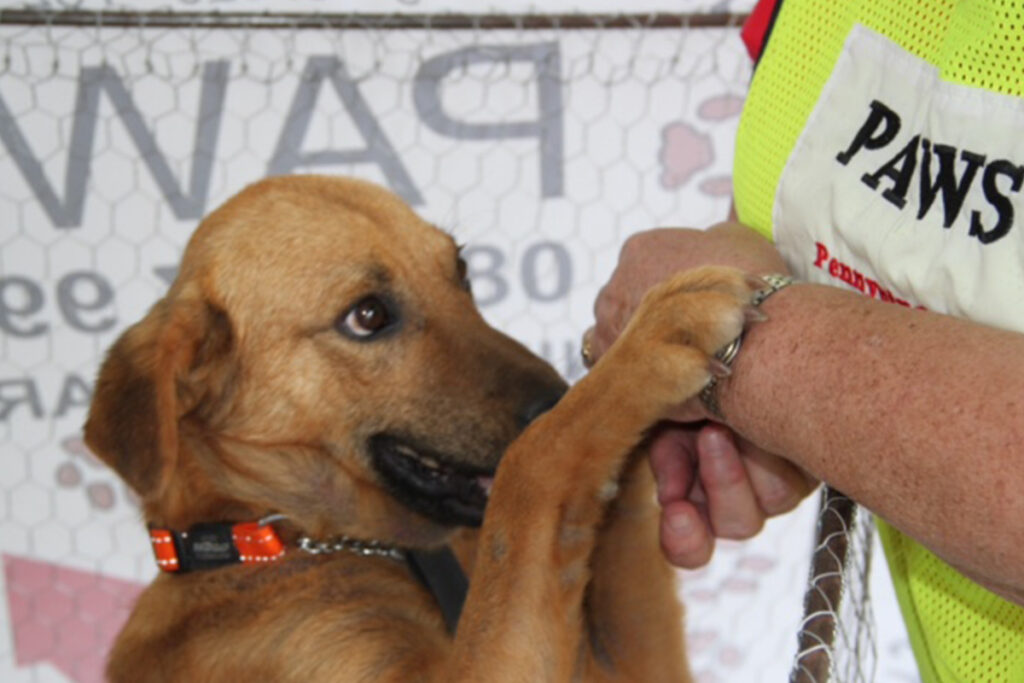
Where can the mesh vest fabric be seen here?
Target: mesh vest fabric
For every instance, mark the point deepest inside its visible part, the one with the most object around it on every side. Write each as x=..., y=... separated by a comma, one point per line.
x=959, y=631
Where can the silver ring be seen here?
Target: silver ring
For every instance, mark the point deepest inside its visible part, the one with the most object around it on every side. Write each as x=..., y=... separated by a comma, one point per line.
x=586, y=348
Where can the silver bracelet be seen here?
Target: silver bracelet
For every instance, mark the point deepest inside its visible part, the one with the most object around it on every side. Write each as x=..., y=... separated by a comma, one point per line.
x=728, y=353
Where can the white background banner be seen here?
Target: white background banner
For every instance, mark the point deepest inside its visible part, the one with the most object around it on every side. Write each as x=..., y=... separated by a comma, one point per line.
x=540, y=150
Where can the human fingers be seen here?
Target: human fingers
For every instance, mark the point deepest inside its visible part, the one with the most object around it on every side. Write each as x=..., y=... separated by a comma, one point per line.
x=611, y=313
x=645, y=259
x=778, y=484
x=733, y=508
x=672, y=457
x=686, y=537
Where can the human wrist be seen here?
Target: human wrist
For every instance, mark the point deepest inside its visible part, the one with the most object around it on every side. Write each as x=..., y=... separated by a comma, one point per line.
x=726, y=356
x=741, y=246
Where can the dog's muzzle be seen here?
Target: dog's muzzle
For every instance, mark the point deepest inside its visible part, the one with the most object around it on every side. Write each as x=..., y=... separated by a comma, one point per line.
x=430, y=483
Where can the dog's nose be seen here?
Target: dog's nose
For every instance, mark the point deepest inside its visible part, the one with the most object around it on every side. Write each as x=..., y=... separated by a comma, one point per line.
x=540, y=406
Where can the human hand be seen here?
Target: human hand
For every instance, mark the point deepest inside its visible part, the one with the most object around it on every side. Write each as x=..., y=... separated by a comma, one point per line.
x=649, y=257
x=713, y=484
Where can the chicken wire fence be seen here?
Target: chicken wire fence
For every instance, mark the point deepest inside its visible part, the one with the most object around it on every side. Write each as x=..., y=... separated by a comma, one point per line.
x=541, y=142
x=837, y=639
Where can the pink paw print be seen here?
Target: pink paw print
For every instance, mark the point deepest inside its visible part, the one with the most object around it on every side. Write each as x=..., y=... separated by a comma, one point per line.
x=685, y=150
x=75, y=472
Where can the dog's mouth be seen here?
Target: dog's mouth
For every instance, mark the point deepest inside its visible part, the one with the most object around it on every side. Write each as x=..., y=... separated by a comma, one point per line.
x=431, y=483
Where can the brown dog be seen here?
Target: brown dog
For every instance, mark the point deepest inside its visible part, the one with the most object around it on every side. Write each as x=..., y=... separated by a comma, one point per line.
x=320, y=357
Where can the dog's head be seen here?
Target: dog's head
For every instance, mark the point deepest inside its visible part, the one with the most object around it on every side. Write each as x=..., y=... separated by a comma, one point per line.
x=320, y=356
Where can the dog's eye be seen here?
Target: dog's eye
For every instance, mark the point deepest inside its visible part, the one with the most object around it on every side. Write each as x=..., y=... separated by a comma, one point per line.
x=366, y=318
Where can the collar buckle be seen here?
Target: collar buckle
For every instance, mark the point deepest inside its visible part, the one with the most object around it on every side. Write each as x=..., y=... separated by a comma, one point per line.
x=215, y=544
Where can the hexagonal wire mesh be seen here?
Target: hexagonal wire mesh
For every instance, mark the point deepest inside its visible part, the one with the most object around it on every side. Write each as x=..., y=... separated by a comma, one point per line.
x=540, y=142
x=837, y=639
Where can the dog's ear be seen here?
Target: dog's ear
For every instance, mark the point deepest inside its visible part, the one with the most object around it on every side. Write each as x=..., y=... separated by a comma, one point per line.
x=158, y=371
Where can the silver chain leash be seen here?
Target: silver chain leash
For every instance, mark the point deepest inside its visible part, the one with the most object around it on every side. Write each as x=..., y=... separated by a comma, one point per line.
x=351, y=545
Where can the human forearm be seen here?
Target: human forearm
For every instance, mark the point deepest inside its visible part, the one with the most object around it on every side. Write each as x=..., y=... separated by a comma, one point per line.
x=918, y=416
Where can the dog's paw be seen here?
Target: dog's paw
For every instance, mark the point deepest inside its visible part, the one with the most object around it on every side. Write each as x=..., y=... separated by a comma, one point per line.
x=681, y=324
x=704, y=307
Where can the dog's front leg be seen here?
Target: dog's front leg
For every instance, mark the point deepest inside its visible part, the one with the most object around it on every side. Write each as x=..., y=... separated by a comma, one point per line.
x=634, y=621
x=523, y=618
x=524, y=615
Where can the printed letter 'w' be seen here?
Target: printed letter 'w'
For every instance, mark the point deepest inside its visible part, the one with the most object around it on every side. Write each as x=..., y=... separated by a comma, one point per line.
x=67, y=212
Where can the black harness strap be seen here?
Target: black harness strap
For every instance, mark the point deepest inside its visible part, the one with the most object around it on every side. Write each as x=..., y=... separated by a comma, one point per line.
x=441, y=574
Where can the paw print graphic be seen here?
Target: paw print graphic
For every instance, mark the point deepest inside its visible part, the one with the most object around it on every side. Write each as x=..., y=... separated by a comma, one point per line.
x=83, y=469
x=736, y=578
x=686, y=150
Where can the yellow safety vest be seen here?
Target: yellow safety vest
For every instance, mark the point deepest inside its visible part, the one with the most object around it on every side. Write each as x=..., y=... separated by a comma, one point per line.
x=853, y=116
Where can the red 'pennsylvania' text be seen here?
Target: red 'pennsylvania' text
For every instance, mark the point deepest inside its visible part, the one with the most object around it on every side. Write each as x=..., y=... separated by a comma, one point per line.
x=842, y=271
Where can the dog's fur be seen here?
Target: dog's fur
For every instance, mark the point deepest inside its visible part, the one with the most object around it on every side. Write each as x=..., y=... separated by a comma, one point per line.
x=245, y=392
